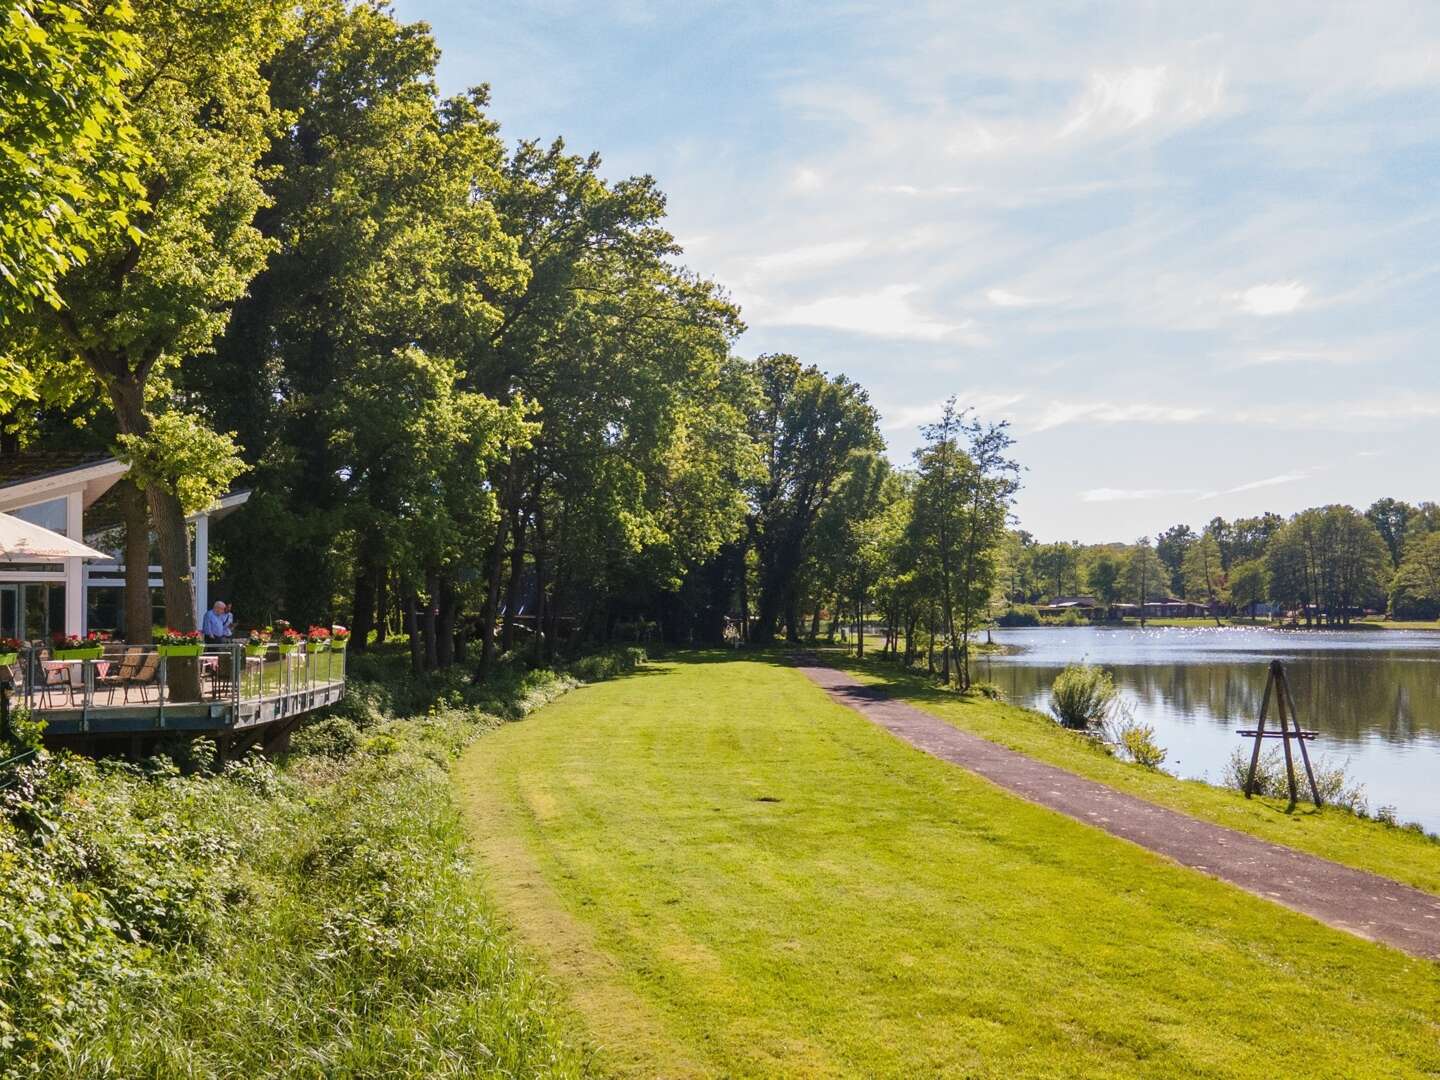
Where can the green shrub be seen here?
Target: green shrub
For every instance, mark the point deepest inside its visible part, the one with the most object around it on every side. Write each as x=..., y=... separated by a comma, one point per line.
x=334, y=736
x=1334, y=786
x=1082, y=696
x=608, y=664
x=1019, y=615
x=987, y=690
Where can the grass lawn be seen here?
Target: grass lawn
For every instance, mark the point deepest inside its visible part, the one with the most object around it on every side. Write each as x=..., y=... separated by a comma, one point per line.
x=731, y=876
x=1333, y=833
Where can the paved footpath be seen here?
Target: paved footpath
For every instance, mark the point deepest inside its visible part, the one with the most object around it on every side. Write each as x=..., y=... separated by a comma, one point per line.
x=1365, y=904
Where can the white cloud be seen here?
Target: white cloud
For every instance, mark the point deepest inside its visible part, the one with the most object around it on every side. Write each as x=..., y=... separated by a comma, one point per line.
x=1005, y=298
x=1059, y=413
x=1099, y=495
x=807, y=180
x=1270, y=357
x=988, y=407
x=887, y=312
x=1274, y=298
x=1256, y=485
x=1118, y=100
x=812, y=257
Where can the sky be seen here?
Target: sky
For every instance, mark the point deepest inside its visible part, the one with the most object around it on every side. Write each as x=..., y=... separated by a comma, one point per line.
x=1189, y=251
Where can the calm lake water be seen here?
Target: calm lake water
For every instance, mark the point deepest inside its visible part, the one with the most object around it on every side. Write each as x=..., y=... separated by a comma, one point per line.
x=1374, y=696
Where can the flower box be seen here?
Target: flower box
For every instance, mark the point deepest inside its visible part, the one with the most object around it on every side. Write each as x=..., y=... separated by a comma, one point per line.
x=257, y=650
x=316, y=646
x=8, y=658
x=90, y=652
x=179, y=650
x=286, y=647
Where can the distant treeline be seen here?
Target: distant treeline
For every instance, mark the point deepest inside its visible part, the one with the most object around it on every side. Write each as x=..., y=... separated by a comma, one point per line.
x=1327, y=563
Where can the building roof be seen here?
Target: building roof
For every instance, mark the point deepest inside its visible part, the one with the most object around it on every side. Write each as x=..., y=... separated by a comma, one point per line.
x=34, y=465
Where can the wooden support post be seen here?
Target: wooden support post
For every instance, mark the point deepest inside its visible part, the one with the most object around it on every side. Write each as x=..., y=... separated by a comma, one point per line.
x=1304, y=754
x=1260, y=733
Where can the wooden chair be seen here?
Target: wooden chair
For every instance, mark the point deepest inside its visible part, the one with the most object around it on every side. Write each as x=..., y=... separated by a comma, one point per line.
x=120, y=678
x=54, y=678
x=145, y=676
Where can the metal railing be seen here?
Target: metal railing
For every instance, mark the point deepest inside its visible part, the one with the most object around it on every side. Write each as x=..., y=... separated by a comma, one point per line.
x=152, y=679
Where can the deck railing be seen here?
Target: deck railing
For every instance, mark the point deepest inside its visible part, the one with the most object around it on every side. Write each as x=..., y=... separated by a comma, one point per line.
x=231, y=685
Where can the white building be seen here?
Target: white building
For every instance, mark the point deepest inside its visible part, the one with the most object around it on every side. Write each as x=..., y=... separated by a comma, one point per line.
x=60, y=491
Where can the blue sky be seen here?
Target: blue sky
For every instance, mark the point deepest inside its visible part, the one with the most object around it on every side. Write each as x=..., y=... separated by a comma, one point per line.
x=1189, y=251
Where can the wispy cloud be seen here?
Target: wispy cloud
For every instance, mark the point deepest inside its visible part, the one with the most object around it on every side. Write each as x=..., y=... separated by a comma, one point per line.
x=812, y=257
x=1256, y=485
x=1275, y=298
x=1006, y=298
x=887, y=312
x=1101, y=495
x=1059, y=413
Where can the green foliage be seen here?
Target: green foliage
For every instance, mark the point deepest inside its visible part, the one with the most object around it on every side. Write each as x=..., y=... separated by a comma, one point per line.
x=1272, y=781
x=68, y=151
x=1131, y=739
x=1019, y=615
x=1082, y=696
x=160, y=924
x=184, y=457
x=608, y=664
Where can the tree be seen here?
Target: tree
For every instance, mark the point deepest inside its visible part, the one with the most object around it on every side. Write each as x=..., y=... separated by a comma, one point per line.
x=1415, y=590
x=158, y=289
x=1249, y=584
x=1104, y=577
x=964, y=489
x=1390, y=518
x=68, y=151
x=1146, y=577
x=1171, y=546
x=1204, y=578
x=808, y=425
x=1057, y=567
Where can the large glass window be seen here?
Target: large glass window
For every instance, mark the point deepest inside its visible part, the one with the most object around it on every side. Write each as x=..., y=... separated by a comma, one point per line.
x=52, y=514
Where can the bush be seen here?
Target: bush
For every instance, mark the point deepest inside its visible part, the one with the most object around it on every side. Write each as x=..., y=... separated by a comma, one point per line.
x=608, y=664
x=333, y=736
x=1019, y=615
x=1082, y=696
x=987, y=690
x=1270, y=780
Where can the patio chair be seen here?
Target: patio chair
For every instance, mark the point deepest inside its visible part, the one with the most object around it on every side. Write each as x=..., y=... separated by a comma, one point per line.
x=129, y=666
x=145, y=676
x=54, y=678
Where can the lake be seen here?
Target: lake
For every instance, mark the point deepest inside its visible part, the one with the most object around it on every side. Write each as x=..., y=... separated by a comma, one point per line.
x=1374, y=696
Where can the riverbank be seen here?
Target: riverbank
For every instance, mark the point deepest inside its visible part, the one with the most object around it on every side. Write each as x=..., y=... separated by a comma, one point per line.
x=1406, y=854
x=313, y=916
x=730, y=875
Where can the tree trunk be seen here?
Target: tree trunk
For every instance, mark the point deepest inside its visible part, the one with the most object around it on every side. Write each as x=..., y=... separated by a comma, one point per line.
x=542, y=604
x=744, y=589
x=408, y=605
x=382, y=604
x=446, y=600
x=430, y=619
x=492, y=599
x=512, y=586
x=362, y=614
x=139, y=611
x=171, y=535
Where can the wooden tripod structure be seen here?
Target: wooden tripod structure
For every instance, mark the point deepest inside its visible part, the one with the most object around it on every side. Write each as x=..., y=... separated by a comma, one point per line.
x=1277, y=688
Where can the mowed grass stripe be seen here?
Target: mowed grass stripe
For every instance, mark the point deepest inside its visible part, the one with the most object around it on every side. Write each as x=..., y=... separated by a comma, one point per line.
x=776, y=887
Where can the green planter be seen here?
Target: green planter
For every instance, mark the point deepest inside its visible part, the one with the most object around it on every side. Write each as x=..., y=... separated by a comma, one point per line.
x=8, y=658
x=286, y=648
x=91, y=652
x=315, y=646
x=256, y=650
x=338, y=646
x=179, y=650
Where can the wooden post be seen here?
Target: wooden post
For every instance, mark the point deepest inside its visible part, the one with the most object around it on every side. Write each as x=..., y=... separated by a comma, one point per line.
x=1260, y=733
x=1278, y=673
x=1304, y=754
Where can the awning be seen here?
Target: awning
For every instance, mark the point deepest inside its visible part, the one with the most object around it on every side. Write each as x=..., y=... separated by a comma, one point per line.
x=20, y=541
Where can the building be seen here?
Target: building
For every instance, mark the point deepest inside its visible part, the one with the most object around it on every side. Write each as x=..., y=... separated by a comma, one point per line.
x=72, y=493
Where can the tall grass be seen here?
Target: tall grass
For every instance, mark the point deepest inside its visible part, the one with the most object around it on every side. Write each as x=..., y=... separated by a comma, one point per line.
x=1082, y=696
x=314, y=918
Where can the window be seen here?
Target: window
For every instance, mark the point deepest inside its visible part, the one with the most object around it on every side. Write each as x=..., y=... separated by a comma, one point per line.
x=52, y=514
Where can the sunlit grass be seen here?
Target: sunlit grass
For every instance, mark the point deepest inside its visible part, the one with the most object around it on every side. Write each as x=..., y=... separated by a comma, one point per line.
x=732, y=876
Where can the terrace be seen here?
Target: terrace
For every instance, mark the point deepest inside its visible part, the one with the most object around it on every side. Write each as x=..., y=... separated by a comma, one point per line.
x=140, y=691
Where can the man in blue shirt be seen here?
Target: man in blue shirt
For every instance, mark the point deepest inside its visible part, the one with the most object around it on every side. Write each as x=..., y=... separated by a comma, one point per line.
x=217, y=624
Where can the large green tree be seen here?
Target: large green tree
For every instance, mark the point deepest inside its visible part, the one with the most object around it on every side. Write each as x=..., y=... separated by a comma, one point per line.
x=158, y=289
x=68, y=151
x=807, y=424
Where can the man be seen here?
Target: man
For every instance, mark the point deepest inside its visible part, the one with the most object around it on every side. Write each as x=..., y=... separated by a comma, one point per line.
x=217, y=624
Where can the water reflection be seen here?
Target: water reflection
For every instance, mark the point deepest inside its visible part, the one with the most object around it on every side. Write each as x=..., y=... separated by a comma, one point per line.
x=1373, y=695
